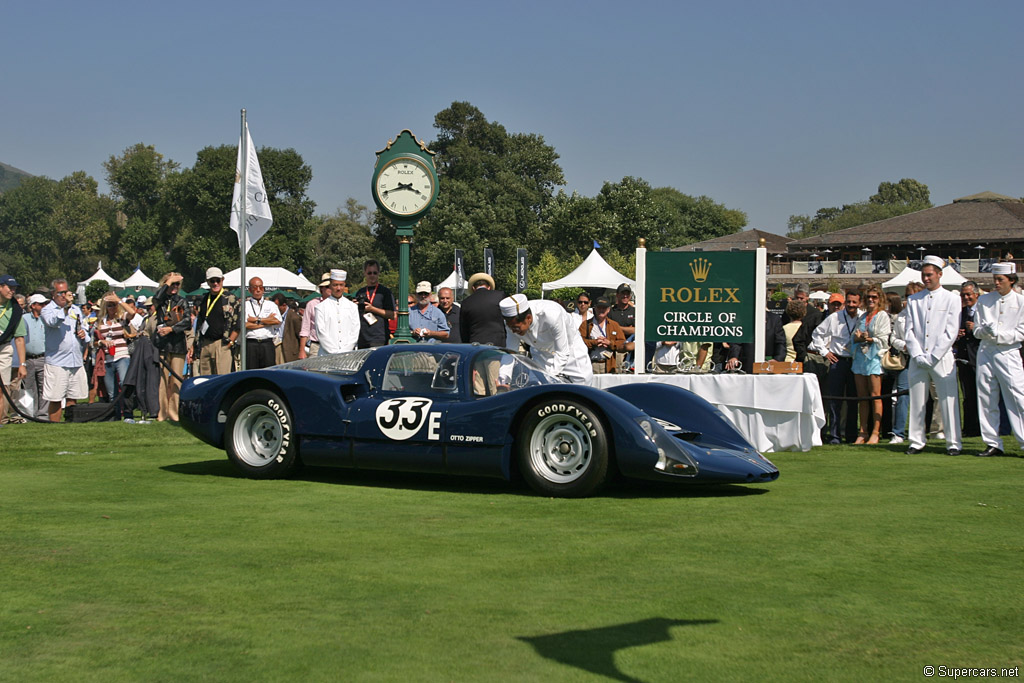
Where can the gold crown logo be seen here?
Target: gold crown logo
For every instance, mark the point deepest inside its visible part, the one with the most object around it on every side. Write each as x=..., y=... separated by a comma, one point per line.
x=700, y=269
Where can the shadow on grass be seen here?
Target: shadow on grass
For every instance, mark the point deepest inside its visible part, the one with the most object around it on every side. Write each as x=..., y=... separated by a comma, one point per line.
x=415, y=481
x=594, y=649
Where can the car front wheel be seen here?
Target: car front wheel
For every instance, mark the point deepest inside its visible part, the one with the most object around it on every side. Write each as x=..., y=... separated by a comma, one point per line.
x=259, y=436
x=563, y=450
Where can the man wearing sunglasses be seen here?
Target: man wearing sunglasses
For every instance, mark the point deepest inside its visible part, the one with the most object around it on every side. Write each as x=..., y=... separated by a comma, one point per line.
x=216, y=327
x=64, y=370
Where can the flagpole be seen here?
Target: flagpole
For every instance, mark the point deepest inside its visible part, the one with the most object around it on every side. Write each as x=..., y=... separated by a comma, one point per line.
x=243, y=233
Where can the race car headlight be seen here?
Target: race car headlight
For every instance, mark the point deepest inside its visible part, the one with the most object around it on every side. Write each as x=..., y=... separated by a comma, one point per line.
x=672, y=458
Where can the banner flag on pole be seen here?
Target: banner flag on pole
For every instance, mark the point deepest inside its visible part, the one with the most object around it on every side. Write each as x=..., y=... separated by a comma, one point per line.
x=489, y=262
x=258, y=218
x=520, y=270
x=460, y=271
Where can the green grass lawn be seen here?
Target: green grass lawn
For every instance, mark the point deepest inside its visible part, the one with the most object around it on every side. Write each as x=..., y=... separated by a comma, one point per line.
x=133, y=552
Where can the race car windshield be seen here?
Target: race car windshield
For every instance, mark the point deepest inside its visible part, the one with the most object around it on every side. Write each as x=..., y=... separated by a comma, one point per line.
x=496, y=372
x=347, y=363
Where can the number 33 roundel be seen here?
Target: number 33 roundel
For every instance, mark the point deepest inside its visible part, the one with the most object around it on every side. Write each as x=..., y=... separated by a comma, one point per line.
x=401, y=418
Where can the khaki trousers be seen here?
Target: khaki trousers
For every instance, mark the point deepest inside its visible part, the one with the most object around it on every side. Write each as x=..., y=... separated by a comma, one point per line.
x=170, y=387
x=215, y=359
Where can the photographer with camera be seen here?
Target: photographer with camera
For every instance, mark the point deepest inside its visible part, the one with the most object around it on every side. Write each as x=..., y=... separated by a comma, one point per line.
x=376, y=307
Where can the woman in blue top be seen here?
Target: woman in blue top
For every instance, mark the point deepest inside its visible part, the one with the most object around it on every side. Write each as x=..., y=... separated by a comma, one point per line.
x=870, y=341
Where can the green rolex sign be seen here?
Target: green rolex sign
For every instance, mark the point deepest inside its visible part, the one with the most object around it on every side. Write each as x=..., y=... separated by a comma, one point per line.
x=701, y=296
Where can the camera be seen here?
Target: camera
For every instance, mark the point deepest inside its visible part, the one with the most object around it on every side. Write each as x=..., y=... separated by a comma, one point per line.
x=361, y=299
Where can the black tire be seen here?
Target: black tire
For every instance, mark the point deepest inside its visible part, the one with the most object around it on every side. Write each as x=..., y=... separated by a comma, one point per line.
x=259, y=438
x=563, y=449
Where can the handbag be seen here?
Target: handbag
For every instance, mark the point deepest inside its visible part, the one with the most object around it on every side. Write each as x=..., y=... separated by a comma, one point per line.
x=894, y=362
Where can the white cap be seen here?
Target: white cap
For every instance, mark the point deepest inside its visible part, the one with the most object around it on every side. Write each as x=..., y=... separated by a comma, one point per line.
x=511, y=306
x=141, y=300
x=37, y=299
x=214, y=271
x=934, y=261
x=339, y=275
x=422, y=286
x=1006, y=268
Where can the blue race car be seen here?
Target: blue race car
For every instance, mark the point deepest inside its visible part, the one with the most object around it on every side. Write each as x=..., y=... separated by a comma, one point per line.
x=464, y=409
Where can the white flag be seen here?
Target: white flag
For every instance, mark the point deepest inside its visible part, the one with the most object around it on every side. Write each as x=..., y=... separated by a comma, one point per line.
x=257, y=209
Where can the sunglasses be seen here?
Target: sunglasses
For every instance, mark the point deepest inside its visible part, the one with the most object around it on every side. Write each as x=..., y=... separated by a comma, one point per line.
x=214, y=280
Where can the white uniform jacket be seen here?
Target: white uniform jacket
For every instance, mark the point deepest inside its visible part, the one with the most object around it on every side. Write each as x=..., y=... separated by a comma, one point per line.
x=554, y=343
x=999, y=320
x=337, y=325
x=931, y=325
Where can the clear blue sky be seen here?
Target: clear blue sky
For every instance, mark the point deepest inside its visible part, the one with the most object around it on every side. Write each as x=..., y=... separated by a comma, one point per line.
x=773, y=108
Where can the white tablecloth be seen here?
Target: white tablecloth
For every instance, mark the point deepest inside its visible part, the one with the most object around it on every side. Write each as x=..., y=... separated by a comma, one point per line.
x=773, y=412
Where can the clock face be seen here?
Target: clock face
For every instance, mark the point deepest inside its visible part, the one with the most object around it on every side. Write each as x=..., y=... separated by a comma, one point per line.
x=405, y=186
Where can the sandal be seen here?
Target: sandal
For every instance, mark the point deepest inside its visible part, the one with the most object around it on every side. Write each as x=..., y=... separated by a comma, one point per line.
x=862, y=438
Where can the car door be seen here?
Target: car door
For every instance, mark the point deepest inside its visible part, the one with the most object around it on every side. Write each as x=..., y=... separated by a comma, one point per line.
x=401, y=426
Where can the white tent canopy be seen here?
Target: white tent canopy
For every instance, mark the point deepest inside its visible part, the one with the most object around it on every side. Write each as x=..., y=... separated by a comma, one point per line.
x=450, y=281
x=950, y=279
x=273, y=278
x=306, y=284
x=100, y=274
x=139, y=279
x=593, y=272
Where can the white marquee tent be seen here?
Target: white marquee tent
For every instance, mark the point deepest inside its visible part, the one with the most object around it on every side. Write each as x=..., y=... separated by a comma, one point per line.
x=950, y=279
x=449, y=282
x=100, y=274
x=593, y=272
x=139, y=279
x=273, y=278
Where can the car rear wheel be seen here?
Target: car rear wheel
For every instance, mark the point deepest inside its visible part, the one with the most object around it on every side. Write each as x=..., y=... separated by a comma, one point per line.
x=259, y=436
x=563, y=450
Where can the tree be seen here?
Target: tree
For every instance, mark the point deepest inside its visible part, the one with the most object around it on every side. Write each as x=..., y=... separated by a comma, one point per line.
x=199, y=200
x=26, y=213
x=623, y=212
x=137, y=179
x=695, y=219
x=892, y=199
x=340, y=240
x=907, y=192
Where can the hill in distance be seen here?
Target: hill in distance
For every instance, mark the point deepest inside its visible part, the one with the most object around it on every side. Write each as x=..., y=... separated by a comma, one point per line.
x=11, y=177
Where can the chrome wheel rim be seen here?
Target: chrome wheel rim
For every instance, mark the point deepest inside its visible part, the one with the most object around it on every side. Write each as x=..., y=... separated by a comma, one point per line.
x=560, y=449
x=257, y=436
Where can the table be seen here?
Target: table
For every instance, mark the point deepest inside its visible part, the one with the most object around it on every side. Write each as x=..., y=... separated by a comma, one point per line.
x=773, y=412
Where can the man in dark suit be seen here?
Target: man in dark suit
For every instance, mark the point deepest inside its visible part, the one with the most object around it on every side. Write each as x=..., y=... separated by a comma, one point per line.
x=742, y=355
x=480, y=317
x=965, y=350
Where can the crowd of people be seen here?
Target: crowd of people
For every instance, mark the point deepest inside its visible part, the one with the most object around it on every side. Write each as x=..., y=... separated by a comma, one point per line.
x=889, y=367
x=905, y=361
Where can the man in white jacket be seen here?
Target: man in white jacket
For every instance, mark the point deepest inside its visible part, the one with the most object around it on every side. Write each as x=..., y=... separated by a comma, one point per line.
x=337, y=318
x=999, y=324
x=547, y=329
x=932, y=324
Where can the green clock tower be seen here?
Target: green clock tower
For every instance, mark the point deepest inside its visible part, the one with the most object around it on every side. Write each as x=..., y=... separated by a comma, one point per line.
x=404, y=188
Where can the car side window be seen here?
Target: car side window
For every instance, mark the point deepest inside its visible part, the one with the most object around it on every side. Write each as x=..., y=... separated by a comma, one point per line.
x=421, y=372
